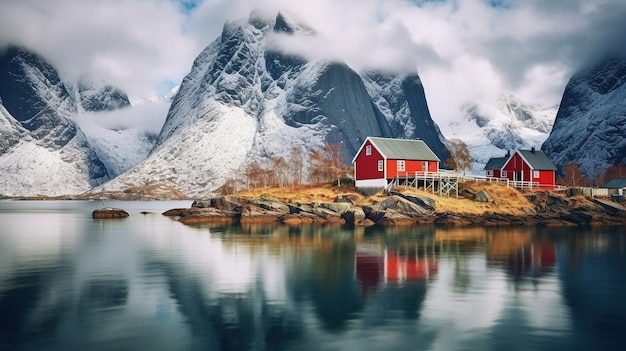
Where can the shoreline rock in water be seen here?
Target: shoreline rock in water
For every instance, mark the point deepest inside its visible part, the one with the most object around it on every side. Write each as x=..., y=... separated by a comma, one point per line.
x=396, y=209
x=109, y=213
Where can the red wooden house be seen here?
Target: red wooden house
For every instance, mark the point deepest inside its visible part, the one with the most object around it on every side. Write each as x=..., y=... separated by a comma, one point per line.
x=527, y=168
x=493, y=168
x=379, y=160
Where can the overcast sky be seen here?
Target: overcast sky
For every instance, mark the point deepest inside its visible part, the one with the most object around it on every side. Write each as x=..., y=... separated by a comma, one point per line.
x=464, y=50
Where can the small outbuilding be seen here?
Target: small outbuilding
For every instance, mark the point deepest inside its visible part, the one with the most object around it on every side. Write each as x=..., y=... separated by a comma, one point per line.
x=493, y=168
x=379, y=160
x=616, y=186
x=526, y=168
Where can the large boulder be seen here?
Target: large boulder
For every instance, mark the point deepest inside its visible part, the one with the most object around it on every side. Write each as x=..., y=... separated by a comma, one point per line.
x=387, y=217
x=270, y=205
x=403, y=206
x=251, y=213
x=202, y=215
x=109, y=213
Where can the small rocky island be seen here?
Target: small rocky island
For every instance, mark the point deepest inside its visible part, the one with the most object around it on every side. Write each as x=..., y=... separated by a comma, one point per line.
x=109, y=213
x=477, y=204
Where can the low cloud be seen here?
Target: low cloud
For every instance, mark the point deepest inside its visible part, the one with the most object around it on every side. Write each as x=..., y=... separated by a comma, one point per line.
x=469, y=50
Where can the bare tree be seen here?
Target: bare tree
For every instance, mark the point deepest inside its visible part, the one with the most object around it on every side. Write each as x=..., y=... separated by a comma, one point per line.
x=297, y=165
x=229, y=187
x=279, y=171
x=460, y=157
x=256, y=175
x=327, y=165
x=615, y=171
x=574, y=176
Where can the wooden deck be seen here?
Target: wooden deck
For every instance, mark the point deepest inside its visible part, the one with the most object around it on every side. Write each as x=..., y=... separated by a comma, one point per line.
x=445, y=183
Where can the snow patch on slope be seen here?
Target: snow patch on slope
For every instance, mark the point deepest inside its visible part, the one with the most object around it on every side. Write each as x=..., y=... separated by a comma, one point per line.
x=191, y=157
x=30, y=169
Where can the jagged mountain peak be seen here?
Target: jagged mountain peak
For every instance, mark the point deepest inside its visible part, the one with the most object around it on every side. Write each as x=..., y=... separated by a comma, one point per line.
x=96, y=95
x=287, y=24
x=245, y=101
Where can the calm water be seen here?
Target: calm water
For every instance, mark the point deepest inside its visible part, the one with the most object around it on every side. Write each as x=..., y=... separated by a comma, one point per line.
x=68, y=282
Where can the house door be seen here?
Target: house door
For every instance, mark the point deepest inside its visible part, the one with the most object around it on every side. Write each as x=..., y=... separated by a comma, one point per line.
x=517, y=176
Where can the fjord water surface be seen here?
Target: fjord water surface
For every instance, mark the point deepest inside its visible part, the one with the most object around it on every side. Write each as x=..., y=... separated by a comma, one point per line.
x=147, y=282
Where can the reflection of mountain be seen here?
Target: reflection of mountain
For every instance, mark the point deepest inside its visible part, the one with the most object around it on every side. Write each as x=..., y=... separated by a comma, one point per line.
x=592, y=271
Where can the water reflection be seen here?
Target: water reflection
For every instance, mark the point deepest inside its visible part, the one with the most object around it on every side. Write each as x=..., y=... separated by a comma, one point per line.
x=148, y=282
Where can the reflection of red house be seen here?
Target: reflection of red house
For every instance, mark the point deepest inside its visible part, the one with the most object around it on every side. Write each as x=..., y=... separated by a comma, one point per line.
x=400, y=268
x=373, y=268
x=526, y=168
x=381, y=159
x=532, y=258
x=369, y=268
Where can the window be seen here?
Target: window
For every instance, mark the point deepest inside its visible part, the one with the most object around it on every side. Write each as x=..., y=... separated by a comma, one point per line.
x=489, y=173
x=400, y=164
x=503, y=174
x=380, y=165
x=425, y=166
x=368, y=150
x=535, y=174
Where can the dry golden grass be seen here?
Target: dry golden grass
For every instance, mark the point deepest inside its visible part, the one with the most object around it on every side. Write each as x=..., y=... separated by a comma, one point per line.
x=505, y=200
x=301, y=193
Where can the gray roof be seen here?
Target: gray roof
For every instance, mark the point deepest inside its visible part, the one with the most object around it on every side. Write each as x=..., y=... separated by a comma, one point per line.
x=537, y=160
x=404, y=149
x=496, y=162
x=617, y=183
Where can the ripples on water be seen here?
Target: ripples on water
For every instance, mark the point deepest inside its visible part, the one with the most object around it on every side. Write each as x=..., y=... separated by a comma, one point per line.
x=146, y=282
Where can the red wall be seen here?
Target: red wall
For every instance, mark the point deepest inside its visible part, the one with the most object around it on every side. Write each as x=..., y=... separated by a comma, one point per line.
x=496, y=173
x=546, y=179
x=410, y=167
x=516, y=163
x=366, y=167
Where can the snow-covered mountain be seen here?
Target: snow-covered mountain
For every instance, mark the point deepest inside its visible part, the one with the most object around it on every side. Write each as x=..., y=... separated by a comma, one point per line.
x=245, y=101
x=43, y=151
x=47, y=154
x=96, y=95
x=490, y=130
x=590, y=127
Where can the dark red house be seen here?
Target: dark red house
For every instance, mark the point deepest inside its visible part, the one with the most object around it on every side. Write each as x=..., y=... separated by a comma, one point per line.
x=526, y=168
x=493, y=168
x=379, y=160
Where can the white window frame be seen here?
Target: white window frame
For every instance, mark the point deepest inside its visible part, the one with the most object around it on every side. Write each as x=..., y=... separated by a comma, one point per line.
x=490, y=173
x=400, y=165
x=381, y=165
x=368, y=150
x=536, y=174
x=503, y=174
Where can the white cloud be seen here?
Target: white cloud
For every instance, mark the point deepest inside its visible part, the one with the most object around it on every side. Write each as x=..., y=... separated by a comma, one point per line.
x=463, y=50
x=132, y=44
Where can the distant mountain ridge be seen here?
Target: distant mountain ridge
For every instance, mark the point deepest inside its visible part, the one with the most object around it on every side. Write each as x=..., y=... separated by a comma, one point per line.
x=492, y=130
x=590, y=126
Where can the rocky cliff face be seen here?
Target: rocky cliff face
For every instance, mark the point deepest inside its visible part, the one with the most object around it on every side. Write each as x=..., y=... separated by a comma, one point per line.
x=244, y=101
x=44, y=152
x=95, y=95
x=590, y=127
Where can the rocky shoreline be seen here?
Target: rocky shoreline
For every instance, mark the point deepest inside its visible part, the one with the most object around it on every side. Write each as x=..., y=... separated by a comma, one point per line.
x=398, y=209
